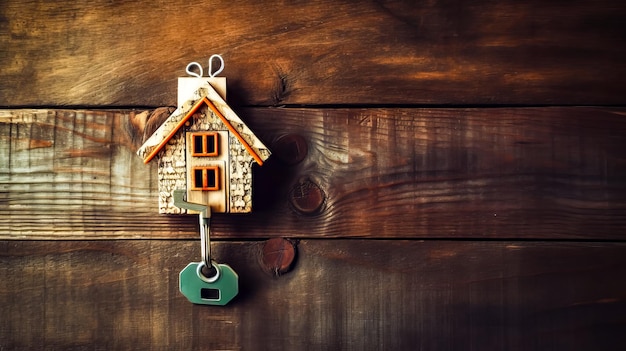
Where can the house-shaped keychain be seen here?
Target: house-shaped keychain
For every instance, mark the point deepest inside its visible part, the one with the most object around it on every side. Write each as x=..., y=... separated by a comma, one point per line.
x=204, y=151
x=204, y=148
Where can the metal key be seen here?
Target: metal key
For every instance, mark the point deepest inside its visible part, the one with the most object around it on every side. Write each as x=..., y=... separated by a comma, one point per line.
x=206, y=282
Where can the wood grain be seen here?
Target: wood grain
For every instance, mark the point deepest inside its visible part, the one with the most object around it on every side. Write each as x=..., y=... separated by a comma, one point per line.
x=130, y=53
x=550, y=173
x=342, y=295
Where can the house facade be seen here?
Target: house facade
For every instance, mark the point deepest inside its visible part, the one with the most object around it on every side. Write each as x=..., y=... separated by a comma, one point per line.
x=206, y=149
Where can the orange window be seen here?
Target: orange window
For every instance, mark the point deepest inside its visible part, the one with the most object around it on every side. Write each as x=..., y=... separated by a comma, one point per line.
x=204, y=144
x=205, y=178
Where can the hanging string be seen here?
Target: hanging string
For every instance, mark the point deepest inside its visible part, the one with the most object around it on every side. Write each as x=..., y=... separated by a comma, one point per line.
x=192, y=73
x=212, y=74
x=218, y=71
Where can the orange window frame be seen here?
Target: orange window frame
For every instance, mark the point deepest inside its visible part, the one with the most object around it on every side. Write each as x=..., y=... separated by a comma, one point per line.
x=204, y=172
x=205, y=136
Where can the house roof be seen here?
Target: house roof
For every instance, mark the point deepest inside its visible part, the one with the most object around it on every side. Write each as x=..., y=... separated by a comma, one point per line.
x=204, y=95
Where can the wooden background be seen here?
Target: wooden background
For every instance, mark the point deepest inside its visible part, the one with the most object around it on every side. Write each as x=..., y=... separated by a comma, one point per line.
x=463, y=185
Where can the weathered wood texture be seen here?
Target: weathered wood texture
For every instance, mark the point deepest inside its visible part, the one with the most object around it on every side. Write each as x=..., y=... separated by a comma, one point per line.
x=387, y=173
x=130, y=53
x=555, y=173
x=342, y=295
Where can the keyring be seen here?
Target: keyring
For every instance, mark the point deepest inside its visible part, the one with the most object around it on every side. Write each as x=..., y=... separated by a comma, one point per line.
x=205, y=278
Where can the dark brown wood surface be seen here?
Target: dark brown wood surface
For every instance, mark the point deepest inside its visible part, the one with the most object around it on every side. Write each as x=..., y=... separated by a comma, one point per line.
x=341, y=295
x=424, y=225
x=551, y=173
x=129, y=53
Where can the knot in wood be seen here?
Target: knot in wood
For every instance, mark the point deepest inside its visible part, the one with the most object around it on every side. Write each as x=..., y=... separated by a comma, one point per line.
x=307, y=197
x=291, y=148
x=278, y=256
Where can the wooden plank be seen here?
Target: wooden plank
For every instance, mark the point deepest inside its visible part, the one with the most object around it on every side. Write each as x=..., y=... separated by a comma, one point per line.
x=554, y=173
x=342, y=294
x=130, y=53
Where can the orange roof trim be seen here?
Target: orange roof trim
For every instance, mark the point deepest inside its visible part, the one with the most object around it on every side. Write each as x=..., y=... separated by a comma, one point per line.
x=182, y=122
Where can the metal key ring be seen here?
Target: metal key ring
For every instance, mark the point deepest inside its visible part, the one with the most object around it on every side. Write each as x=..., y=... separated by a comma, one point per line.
x=205, y=278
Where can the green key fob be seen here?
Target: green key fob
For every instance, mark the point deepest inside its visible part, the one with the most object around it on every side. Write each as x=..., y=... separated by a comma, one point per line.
x=217, y=289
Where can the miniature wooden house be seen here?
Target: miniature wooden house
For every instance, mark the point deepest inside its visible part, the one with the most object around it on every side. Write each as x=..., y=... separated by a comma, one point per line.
x=204, y=148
